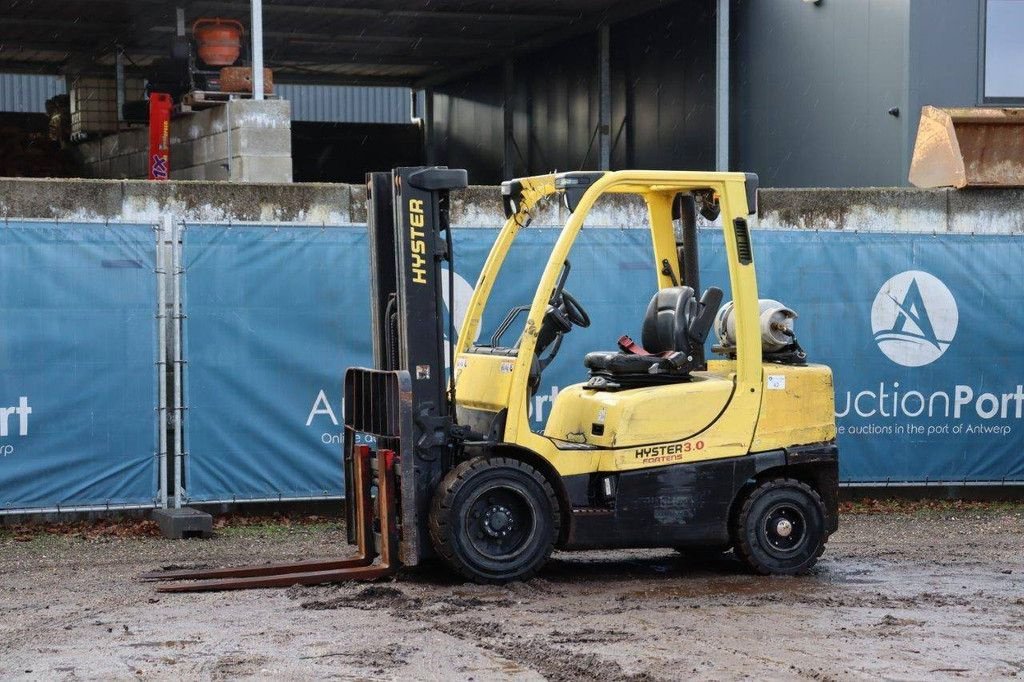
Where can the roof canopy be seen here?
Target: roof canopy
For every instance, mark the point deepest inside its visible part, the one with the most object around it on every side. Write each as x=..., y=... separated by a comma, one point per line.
x=385, y=42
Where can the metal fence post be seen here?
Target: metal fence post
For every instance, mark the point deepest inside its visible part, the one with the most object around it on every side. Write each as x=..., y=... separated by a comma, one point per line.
x=179, y=408
x=161, y=357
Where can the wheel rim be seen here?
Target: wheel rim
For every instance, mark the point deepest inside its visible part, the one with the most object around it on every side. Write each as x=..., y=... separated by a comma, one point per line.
x=500, y=522
x=784, y=529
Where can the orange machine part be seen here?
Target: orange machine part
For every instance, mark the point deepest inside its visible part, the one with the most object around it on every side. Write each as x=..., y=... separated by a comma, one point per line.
x=218, y=41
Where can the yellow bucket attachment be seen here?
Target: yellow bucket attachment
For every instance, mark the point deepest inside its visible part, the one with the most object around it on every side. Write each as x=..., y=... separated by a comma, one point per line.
x=969, y=147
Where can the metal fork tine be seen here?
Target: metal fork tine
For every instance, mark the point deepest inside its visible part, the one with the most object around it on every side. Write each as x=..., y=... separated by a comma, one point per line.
x=365, y=556
x=286, y=580
x=258, y=570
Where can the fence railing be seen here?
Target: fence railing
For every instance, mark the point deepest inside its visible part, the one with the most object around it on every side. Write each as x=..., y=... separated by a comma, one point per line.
x=159, y=365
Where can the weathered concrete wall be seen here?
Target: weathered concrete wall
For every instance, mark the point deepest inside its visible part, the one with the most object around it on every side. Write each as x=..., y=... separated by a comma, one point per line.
x=988, y=211
x=144, y=201
x=978, y=211
x=965, y=211
x=241, y=141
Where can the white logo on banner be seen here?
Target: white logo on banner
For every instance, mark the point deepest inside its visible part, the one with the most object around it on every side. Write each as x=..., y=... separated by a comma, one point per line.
x=914, y=318
x=22, y=411
x=13, y=419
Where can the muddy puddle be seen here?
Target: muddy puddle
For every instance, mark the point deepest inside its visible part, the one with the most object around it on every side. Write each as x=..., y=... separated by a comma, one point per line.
x=893, y=598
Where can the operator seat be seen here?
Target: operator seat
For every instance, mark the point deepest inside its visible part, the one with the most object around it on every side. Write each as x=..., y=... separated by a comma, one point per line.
x=675, y=325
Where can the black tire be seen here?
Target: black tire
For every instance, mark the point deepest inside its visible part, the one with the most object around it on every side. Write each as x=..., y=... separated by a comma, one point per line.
x=495, y=520
x=781, y=528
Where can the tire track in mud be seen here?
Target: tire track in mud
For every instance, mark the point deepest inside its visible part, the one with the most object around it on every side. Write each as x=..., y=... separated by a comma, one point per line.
x=541, y=654
x=554, y=663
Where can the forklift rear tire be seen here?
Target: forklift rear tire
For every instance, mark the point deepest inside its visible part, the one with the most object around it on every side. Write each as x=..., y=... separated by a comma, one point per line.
x=781, y=528
x=495, y=519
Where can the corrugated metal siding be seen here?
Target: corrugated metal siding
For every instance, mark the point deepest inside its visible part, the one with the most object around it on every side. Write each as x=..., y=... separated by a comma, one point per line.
x=28, y=92
x=347, y=104
x=329, y=103
x=662, y=90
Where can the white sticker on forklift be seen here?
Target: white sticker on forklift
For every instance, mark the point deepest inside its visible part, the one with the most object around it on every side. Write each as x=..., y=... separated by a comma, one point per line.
x=776, y=382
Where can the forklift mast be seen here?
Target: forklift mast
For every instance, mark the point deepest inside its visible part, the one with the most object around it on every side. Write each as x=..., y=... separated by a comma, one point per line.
x=410, y=249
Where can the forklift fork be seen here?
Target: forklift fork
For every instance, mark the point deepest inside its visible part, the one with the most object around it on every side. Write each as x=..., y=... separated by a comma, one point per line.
x=314, y=572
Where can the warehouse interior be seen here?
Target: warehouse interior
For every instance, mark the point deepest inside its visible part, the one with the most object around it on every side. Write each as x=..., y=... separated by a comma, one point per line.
x=416, y=61
x=804, y=93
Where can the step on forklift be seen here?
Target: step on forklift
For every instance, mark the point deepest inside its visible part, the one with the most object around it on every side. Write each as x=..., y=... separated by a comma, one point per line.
x=656, y=446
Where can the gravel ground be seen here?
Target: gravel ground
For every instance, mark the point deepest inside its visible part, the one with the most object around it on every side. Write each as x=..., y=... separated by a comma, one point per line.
x=926, y=595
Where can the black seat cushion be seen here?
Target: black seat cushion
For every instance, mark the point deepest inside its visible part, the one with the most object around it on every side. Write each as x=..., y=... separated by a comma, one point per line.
x=666, y=330
x=619, y=363
x=611, y=371
x=668, y=319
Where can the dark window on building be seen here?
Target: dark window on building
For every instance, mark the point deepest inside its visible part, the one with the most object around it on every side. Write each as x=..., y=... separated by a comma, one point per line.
x=1004, y=50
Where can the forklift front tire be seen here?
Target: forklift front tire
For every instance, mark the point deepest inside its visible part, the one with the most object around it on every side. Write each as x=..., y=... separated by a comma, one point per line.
x=781, y=528
x=495, y=519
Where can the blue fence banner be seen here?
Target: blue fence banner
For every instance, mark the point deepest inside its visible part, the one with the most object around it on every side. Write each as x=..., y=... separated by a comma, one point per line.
x=915, y=327
x=274, y=316
x=78, y=379
x=919, y=332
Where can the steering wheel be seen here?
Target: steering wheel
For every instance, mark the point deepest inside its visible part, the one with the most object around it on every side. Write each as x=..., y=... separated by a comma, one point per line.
x=573, y=310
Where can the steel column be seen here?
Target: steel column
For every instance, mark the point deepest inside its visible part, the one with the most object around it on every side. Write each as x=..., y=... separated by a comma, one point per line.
x=722, y=88
x=508, y=170
x=119, y=83
x=256, y=30
x=604, y=88
x=428, y=126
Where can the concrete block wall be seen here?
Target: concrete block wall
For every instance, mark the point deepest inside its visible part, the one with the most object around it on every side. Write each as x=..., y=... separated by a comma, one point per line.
x=240, y=141
x=143, y=201
x=894, y=209
x=975, y=211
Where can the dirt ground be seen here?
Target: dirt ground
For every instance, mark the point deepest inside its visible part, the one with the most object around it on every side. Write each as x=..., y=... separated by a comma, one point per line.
x=929, y=594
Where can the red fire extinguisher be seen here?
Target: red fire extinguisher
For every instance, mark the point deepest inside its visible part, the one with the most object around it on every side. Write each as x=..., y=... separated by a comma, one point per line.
x=159, y=135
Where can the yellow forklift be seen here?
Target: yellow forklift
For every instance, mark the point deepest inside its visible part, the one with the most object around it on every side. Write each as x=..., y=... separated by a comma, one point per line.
x=655, y=446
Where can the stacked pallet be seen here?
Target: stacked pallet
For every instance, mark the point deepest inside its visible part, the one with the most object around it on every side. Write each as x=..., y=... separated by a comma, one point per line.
x=93, y=104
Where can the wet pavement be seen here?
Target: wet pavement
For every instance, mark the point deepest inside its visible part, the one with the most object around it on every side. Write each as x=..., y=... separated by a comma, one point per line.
x=934, y=596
